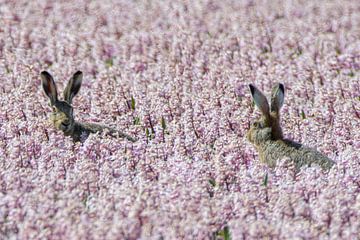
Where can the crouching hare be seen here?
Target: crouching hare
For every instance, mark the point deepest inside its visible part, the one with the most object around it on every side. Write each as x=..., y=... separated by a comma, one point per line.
x=267, y=137
x=62, y=116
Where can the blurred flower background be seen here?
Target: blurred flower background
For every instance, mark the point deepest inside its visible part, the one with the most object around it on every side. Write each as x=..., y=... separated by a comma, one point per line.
x=175, y=74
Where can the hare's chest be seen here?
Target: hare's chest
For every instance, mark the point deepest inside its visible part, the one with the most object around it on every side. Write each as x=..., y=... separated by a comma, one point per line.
x=80, y=134
x=271, y=152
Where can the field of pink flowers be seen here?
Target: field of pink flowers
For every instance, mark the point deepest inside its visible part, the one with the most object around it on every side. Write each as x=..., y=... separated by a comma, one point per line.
x=175, y=74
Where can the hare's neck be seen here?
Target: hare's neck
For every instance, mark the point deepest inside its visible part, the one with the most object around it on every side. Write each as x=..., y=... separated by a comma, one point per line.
x=276, y=131
x=263, y=146
x=79, y=132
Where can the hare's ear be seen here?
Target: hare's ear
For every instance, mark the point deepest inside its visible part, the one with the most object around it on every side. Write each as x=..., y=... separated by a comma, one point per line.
x=277, y=97
x=49, y=86
x=260, y=100
x=73, y=87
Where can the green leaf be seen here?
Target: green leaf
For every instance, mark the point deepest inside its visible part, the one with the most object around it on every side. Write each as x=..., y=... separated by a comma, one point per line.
x=85, y=200
x=303, y=114
x=299, y=51
x=149, y=135
x=132, y=103
x=225, y=233
x=337, y=50
x=266, y=178
x=109, y=62
x=351, y=74
x=136, y=121
x=8, y=69
x=212, y=182
x=163, y=123
x=264, y=50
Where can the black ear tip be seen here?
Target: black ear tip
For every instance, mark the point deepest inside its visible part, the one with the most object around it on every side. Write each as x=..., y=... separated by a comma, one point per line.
x=78, y=73
x=46, y=77
x=281, y=86
x=45, y=73
x=252, y=88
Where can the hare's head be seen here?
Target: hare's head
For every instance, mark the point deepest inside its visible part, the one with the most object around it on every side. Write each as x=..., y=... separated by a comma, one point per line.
x=268, y=126
x=62, y=116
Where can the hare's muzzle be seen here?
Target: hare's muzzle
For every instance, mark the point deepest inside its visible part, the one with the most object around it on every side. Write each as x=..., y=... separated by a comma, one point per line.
x=60, y=121
x=65, y=123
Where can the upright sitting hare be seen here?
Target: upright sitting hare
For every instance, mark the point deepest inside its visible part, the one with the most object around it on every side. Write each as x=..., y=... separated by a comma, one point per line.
x=62, y=116
x=266, y=134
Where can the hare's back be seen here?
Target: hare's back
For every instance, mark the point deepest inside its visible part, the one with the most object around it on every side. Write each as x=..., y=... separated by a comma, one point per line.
x=299, y=154
x=305, y=156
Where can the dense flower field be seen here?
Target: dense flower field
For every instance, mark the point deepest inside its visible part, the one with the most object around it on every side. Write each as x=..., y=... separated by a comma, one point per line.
x=175, y=74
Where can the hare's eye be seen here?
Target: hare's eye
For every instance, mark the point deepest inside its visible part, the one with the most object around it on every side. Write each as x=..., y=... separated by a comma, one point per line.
x=54, y=109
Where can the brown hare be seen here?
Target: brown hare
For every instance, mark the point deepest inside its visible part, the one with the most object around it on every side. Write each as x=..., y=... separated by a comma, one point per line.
x=267, y=136
x=62, y=116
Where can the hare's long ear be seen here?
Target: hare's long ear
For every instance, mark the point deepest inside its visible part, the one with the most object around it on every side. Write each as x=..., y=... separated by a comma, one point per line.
x=260, y=100
x=49, y=86
x=73, y=87
x=277, y=97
